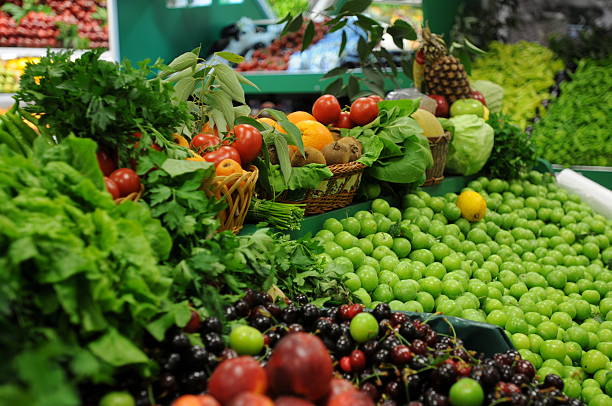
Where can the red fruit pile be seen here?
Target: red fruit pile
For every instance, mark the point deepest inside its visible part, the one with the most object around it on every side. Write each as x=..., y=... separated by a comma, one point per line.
x=276, y=55
x=40, y=30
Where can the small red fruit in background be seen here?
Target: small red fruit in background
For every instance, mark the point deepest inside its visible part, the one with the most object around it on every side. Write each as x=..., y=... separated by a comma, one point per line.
x=195, y=400
x=237, y=375
x=442, y=107
x=112, y=188
x=248, y=142
x=476, y=95
x=420, y=57
x=194, y=323
x=358, y=360
x=326, y=109
x=106, y=162
x=363, y=111
x=127, y=181
x=137, y=143
x=345, y=364
x=375, y=97
x=343, y=121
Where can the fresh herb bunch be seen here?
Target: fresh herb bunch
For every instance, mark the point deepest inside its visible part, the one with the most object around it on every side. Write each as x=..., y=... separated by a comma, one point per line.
x=105, y=101
x=81, y=280
x=513, y=151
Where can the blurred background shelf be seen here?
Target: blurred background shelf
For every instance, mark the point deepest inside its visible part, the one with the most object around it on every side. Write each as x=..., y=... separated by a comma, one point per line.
x=306, y=82
x=20, y=52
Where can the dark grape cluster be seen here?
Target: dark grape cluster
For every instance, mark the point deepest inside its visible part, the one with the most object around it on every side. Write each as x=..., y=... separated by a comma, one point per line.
x=408, y=363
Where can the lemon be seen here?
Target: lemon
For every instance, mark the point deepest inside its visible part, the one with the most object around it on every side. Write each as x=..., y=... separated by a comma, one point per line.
x=472, y=205
x=428, y=122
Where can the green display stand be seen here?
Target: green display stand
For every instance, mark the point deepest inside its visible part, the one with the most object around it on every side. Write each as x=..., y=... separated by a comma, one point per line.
x=148, y=29
x=482, y=337
x=440, y=15
x=292, y=83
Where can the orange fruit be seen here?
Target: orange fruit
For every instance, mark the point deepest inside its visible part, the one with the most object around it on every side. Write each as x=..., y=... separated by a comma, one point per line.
x=228, y=167
x=195, y=157
x=179, y=139
x=314, y=134
x=271, y=123
x=298, y=116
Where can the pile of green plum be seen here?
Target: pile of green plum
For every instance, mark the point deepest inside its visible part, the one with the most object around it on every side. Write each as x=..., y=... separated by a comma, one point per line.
x=537, y=265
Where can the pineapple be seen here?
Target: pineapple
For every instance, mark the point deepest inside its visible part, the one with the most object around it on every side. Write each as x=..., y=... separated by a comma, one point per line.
x=444, y=74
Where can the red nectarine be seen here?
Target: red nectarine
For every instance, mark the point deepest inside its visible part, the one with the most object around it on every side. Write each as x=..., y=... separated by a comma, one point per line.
x=251, y=399
x=351, y=398
x=237, y=375
x=300, y=365
x=292, y=401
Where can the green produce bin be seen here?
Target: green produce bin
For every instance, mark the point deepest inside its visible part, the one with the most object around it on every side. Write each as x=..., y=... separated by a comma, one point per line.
x=482, y=337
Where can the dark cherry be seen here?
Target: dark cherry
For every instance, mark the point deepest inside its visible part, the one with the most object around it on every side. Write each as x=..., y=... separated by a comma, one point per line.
x=343, y=345
x=358, y=361
x=418, y=362
x=431, y=338
x=370, y=348
x=310, y=312
x=261, y=322
x=393, y=389
x=390, y=342
x=490, y=375
x=419, y=347
x=525, y=367
x=167, y=382
x=323, y=325
x=370, y=389
x=295, y=328
x=554, y=381
x=262, y=298
x=212, y=325
x=335, y=331
x=518, y=399
x=213, y=342
x=290, y=314
x=274, y=310
x=520, y=379
x=401, y=355
x=408, y=331
x=301, y=298
x=228, y=353
x=242, y=308
x=505, y=372
x=382, y=355
x=199, y=355
x=384, y=325
x=180, y=342
x=194, y=382
x=172, y=362
x=230, y=313
x=398, y=318
x=381, y=311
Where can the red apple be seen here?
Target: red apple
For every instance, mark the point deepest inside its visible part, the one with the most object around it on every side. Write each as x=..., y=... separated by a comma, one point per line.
x=441, y=105
x=300, y=365
x=237, y=375
x=476, y=95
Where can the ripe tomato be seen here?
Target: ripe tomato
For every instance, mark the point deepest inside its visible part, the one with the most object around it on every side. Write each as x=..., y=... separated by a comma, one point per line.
x=326, y=109
x=202, y=141
x=343, y=121
x=375, y=97
x=106, y=162
x=112, y=188
x=363, y=110
x=248, y=142
x=222, y=153
x=127, y=180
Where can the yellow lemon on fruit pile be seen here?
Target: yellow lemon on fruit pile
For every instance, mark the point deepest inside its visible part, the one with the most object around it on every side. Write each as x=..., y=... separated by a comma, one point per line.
x=472, y=205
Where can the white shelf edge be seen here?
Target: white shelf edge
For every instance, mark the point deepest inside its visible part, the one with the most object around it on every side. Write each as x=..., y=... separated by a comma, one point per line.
x=19, y=52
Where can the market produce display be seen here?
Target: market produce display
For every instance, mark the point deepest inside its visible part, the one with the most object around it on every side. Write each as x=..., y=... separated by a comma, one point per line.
x=576, y=129
x=125, y=281
x=525, y=256
x=54, y=23
x=525, y=71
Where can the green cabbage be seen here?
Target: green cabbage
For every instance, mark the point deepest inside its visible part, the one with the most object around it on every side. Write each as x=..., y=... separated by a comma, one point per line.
x=471, y=145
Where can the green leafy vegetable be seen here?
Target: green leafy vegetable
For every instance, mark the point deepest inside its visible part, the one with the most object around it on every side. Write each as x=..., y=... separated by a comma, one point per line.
x=470, y=146
x=513, y=150
x=577, y=129
x=525, y=70
x=303, y=177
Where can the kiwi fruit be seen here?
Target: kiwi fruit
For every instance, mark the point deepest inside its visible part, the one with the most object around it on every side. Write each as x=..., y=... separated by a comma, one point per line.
x=336, y=153
x=311, y=156
x=354, y=146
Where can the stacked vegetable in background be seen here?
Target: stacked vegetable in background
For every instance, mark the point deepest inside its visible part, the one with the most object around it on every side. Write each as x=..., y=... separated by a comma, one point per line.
x=525, y=70
x=577, y=129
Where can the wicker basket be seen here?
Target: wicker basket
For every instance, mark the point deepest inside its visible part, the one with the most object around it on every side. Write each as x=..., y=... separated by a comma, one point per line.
x=439, y=150
x=134, y=197
x=237, y=190
x=333, y=193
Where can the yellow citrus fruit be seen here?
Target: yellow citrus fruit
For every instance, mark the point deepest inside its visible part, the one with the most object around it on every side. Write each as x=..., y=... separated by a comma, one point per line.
x=298, y=116
x=472, y=205
x=485, y=114
x=271, y=123
x=314, y=134
x=179, y=139
x=428, y=122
